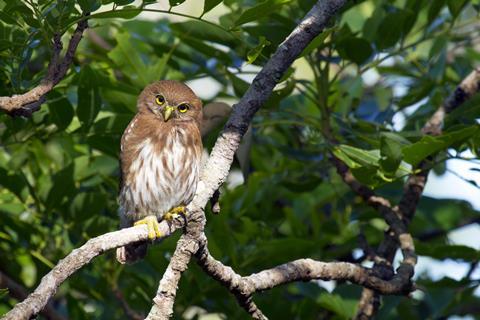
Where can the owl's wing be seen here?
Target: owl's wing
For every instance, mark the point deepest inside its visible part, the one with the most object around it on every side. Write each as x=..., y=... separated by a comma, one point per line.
x=125, y=149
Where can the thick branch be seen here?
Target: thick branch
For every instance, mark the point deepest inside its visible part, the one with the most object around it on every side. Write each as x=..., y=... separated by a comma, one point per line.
x=187, y=245
x=167, y=290
x=27, y=103
x=78, y=258
x=221, y=158
x=300, y=270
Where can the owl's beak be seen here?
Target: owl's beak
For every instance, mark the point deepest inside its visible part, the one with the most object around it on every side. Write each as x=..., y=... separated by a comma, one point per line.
x=167, y=112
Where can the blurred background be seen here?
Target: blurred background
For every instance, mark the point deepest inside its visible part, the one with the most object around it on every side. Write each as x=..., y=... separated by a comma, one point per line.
x=381, y=69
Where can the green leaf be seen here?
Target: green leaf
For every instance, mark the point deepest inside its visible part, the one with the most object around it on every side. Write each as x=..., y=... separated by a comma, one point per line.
x=28, y=271
x=89, y=102
x=240, y=86
x=114, y=124
x=360, y=156
x=439, y=44
x=255, y=52
x=105, y=143
x=340, y=154
x=13, y=182
x=354, y=49
x=87, y=204
x=259, y=11
x=205, y=32
x=209, y=5
x=366, y=165
x=391, y=151
x=158, y=69
x=469, y=111
x=393, y=26
x=60, y=109
x=429, y=145
x=318, y=42
x=444, y=251
x=368, y=175
x=127, y=12
x=456, y=6
x=3, y=292
x=370, y=27
x=335, y=303
x=419, y=90
x=8, y=19
x=128, y=59
x=89, y=5
x=434, y=9
x=63, y=185
x=123, y=2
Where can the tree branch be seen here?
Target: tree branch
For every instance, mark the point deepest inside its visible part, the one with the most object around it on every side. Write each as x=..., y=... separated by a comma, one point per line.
x=299, y=270
x=187, y=245
x=78, y=258
x=398, y=233
x=213, y=176
x=27, y=103
x=221, y=158
x=413, y=190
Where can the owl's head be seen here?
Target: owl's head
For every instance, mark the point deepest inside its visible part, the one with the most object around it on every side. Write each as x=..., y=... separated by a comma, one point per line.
x=170, y=101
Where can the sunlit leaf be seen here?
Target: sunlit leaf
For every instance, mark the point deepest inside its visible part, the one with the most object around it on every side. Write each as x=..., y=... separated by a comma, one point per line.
x=428, y=145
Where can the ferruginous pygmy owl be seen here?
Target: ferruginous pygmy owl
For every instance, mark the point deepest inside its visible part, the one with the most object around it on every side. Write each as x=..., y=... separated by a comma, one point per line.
x=160, y=159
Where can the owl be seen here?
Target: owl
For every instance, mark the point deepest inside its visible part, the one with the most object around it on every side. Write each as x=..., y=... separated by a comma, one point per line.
x=160, y=159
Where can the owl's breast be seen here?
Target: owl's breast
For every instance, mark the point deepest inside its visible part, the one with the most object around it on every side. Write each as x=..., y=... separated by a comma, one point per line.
x=163, y=174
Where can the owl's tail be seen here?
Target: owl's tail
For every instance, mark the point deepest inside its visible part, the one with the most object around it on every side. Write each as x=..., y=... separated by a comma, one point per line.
x=131, y=253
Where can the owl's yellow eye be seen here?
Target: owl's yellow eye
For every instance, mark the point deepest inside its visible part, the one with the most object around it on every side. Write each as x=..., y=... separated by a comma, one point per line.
x=183, y=107
x=159, y=99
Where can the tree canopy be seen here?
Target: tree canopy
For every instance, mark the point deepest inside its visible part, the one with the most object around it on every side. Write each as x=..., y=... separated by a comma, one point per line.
x=332, y=168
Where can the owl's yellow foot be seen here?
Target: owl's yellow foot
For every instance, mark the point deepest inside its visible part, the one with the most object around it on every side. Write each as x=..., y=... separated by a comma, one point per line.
x=152, y=225
x=170, y=215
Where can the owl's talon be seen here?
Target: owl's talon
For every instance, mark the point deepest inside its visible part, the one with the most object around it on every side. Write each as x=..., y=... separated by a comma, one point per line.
x=170, y=215
x=152, y=225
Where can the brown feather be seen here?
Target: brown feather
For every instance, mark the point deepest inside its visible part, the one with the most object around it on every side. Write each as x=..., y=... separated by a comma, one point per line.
x=160, y=160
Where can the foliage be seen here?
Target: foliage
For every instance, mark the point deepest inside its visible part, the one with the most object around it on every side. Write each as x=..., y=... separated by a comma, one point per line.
x=59, y=169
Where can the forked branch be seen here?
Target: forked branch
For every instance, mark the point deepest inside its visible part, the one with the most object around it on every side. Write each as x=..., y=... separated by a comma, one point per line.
x=413, y=190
